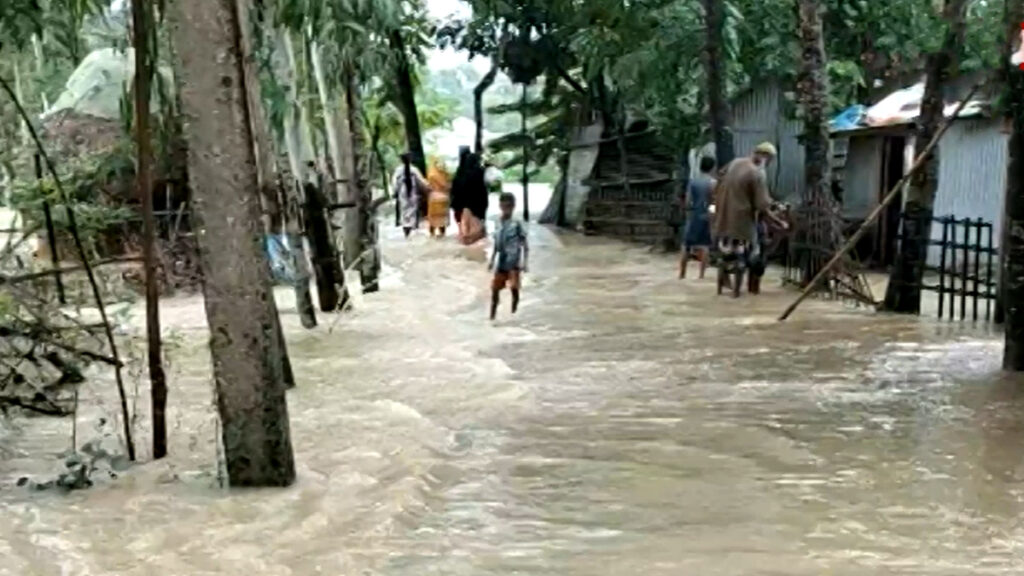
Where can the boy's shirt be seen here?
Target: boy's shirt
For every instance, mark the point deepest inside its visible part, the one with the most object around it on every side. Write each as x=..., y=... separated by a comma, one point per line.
x=509, y=241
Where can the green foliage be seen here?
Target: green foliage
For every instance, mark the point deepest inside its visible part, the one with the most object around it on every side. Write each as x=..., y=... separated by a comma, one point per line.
x=19, y=20
x=384, y=123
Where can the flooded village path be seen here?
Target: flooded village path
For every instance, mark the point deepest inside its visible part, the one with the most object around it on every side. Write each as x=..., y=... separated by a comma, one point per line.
x=624, y=423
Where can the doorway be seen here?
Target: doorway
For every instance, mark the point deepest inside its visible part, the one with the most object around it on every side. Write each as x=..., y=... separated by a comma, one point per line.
x=887, y=242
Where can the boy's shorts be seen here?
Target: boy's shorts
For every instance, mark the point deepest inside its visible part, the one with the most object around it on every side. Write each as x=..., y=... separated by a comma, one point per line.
x=507, y=278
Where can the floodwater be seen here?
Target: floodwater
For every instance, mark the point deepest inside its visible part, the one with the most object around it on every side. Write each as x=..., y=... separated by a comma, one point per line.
x=623, y=423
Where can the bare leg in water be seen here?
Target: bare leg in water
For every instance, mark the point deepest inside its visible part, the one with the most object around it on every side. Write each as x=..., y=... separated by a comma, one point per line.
x=515, y=300
x=495, y=298
x=705, y=255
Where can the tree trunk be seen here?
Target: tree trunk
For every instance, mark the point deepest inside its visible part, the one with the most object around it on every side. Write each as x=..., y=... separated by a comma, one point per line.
x=407, y=102
x=524, y=113
x=714, y=61
x=263, y=152
x=273, y=213
x=250, y=396
x=141, y=33
x=330, y=282
x=366, y=221
x=478, y=105
x=301, y=132
x=349, y=217
x=1012, y=273
x=904, y=292
x=328, y=112
x=812, y=87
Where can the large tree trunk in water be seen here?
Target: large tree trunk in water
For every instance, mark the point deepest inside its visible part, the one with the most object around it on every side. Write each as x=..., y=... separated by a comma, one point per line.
x=478, y=106
x=407, y=102
x=812, y=88
x=250, y=395
x=904, y=292
x=142, y=23
x=714, y=61
x=366, y=221
x=1012, y=273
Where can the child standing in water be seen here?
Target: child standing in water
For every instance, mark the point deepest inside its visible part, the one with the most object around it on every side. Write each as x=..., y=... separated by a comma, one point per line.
x=508, y=260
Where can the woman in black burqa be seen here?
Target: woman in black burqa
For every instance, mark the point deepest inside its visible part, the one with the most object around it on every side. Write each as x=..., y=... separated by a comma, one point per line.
x=469, y=197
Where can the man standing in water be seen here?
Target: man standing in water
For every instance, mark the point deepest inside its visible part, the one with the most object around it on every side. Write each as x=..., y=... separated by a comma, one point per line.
x=742, y=196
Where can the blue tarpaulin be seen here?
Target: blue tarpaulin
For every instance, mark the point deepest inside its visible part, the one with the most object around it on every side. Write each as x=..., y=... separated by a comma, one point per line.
x=849, y=119
x=281, y=260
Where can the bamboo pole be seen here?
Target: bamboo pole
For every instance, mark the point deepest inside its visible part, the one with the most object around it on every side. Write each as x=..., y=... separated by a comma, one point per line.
x=141, y=33
x=892, y=195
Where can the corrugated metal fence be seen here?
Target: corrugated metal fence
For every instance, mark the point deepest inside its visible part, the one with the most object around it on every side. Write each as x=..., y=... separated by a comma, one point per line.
x=758, y=116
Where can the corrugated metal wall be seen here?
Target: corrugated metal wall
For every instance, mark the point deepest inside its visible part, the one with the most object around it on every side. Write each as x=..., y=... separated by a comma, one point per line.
x=972, y=174
x=862, y=176
x=758, y=116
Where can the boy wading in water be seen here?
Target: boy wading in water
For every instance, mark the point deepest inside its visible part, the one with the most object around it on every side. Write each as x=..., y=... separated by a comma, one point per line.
x=508, y=260
x=697, y=232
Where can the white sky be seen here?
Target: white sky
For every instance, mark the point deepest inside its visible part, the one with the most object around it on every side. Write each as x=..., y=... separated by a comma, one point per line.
x=437, y=59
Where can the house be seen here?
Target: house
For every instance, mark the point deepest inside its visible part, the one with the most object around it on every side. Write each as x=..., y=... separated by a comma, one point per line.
x=632, y=189
x=972, y=175
x=869, y=160
x=619, y=187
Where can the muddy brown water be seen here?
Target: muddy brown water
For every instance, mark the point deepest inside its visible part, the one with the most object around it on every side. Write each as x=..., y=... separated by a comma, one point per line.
x=623, y=423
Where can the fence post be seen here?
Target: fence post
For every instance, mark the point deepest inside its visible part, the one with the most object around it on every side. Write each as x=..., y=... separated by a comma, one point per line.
x=964, y=274
x=942, y=266
x=988, y=276
x=952, y=268
x=977, y=266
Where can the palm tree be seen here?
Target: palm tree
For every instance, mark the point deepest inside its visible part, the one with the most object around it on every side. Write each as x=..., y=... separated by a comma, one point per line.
x=714, y=61
x=812, y=87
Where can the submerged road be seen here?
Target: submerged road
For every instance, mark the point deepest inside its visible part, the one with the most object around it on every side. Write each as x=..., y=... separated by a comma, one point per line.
x=625, y=422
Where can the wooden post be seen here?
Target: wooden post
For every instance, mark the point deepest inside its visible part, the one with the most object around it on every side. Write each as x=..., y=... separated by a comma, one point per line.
x=325, y=261
x=965, y=274
x=942, y=267
x=952, y=274
x=989, y=282
x=977, y=266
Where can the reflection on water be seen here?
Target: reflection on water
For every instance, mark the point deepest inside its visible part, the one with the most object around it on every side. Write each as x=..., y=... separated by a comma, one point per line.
x=623, y=423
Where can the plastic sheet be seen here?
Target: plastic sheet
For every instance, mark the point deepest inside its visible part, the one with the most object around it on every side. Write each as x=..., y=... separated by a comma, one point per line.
x=99, y=83
x=282, y=260
x=849, y=119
